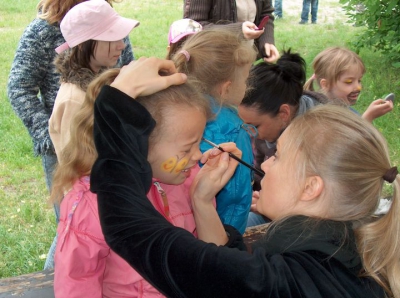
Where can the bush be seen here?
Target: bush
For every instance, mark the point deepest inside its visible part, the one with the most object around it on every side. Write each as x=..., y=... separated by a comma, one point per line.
x=382, y=22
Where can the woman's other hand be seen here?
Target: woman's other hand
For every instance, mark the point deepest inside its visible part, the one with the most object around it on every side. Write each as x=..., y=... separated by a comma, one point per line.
x=272, y=53
x=254, y=199
x=146, y=76
x=251, y=31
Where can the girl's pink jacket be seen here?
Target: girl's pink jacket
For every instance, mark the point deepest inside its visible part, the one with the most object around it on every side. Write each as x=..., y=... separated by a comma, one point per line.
x=84, y=264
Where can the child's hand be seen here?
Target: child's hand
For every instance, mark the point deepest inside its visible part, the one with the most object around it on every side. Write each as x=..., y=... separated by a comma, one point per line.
x=217, y=170
x=142, y=77
x=377, y=108
x=250, y=30
x=254, y=199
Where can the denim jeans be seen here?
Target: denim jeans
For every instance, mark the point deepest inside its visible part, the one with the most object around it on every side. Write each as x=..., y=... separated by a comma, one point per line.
x=306, y=10
x=49, y=162
x=49, y=263
x=278, y=8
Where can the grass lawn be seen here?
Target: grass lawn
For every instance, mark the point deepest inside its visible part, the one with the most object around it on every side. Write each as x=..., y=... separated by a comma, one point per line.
x=27, y=224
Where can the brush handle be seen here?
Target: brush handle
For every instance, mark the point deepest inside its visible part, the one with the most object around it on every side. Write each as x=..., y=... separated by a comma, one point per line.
x=257, y=171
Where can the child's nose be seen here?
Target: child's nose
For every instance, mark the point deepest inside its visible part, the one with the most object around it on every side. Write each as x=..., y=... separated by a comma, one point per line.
x=121, y=45
x=197, y=155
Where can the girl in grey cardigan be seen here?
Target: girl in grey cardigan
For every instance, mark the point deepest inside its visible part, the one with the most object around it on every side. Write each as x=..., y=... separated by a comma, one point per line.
x=33, y=82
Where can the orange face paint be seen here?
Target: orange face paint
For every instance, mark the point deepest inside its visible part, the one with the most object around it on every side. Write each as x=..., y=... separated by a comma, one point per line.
x=181, y=165
x=169, y=164
x=174, y=164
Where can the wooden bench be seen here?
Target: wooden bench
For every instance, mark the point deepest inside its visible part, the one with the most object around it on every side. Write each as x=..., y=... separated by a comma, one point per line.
x=40, y=284
x=32, y=285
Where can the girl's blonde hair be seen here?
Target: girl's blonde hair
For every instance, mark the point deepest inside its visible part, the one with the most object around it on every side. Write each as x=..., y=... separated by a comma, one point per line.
x=53, y=11
x=351, y=156
x=331, y=63
x=214, y=56
x=80, y=153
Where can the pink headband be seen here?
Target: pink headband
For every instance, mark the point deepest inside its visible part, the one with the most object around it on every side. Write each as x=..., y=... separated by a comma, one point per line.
x=186, y=53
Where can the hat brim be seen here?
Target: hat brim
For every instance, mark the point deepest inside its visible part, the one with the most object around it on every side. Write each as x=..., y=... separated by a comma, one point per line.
x=180, y=36
x=118, y=30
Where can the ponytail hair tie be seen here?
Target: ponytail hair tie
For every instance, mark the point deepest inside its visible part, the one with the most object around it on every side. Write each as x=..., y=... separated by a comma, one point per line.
x=313, y=76
x=186, y=54
x=390, y=175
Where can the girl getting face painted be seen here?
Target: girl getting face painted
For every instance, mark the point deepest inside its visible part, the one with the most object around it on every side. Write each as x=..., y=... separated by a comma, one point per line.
x=181, y=114
x=176, y=150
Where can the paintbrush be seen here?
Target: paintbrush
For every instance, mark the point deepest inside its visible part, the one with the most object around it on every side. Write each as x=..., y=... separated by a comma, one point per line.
x=257, y=171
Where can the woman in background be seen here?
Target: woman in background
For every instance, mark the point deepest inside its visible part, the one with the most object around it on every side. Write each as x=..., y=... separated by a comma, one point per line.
x=238, y=15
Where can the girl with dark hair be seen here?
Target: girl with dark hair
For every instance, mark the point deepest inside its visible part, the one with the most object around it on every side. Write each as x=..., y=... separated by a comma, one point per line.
x=274, y=99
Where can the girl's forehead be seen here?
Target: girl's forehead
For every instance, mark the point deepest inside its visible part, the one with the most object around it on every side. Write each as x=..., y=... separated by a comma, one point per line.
x=354, y=71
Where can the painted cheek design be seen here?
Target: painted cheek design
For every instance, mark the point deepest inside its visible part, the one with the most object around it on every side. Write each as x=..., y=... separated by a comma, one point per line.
x=181, y=165
x=173, y=164
x=169, y=164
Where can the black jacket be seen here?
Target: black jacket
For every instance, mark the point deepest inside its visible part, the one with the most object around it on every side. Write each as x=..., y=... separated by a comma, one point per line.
x=321, y=261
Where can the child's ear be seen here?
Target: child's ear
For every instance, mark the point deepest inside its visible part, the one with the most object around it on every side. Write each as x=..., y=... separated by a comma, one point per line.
x=324, y=84
x=312, y=189
x=168, y=47
x=224, y=89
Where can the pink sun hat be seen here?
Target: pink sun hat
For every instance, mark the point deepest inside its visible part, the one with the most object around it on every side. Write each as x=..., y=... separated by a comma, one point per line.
x=94, y=19
x=182, y=28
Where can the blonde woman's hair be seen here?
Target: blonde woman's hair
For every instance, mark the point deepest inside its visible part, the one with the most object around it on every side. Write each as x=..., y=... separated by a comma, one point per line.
x=330, y=64
x=351, y=156
x=53, y=11
x=80, y=153
x=214, y=57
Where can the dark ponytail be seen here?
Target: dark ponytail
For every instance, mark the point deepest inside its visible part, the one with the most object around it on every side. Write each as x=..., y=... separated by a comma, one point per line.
x=274, y=84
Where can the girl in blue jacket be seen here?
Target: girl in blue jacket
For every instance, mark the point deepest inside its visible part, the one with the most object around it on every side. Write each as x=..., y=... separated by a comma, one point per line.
x=220, y=61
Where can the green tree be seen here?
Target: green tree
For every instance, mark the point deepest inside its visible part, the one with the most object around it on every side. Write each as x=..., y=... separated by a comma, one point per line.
x=382, y=21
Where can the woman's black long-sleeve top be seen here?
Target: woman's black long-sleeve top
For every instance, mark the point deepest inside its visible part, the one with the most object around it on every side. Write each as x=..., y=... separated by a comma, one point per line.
x=298, y=260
